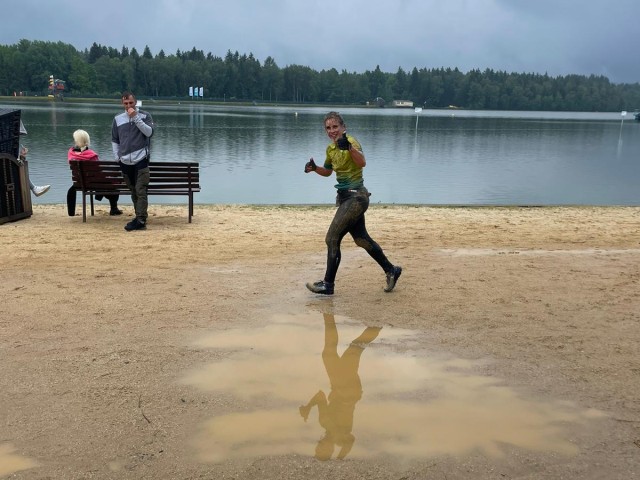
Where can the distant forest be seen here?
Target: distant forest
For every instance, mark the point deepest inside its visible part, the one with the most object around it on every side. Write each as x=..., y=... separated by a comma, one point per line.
x=102, y=71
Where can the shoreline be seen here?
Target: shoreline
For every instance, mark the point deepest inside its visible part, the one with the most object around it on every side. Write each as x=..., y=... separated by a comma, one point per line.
x=375, y=205
x=217, y=103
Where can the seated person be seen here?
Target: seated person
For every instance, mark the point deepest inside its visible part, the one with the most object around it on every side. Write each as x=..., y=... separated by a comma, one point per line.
x=36, y=190
x=81, y=151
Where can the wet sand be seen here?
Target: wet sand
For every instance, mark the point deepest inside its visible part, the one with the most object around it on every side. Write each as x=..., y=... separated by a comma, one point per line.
x=101, y=331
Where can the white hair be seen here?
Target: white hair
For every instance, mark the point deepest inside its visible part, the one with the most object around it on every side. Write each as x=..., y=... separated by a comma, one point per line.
x=81, y=138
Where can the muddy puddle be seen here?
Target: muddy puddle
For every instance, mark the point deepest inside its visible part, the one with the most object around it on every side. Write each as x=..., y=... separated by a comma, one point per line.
x=331, y=387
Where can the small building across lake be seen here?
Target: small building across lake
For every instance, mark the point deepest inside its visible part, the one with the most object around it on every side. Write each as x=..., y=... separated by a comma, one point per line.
x=402, y=103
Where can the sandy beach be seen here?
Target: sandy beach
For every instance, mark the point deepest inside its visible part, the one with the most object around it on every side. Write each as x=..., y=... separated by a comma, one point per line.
x=102, y=329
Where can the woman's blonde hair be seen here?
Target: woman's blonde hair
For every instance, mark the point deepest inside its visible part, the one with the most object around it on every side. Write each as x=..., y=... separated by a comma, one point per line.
x=81, y=138
x=334, y=116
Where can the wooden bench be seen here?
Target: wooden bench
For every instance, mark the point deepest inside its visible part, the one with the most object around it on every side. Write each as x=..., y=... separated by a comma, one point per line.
x=105, y=178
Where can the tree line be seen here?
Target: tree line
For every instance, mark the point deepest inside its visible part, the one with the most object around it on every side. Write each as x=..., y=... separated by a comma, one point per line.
x=102, y=71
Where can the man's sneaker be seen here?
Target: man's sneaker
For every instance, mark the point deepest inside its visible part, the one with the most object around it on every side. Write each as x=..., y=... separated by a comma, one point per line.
x=135, y=224
x=321, y=287
x=37, y=191
x=392, y=278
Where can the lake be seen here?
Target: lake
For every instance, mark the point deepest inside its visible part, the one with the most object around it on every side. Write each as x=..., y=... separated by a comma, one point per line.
x=256, y=154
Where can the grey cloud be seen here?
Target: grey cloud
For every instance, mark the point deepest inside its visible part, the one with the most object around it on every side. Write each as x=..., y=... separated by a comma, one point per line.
x=558, y=37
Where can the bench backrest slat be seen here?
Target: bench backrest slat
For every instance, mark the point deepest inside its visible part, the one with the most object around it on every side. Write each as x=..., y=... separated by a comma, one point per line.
x=106, y=175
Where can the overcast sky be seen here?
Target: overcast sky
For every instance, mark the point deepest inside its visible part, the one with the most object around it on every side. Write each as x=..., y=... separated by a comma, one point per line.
x=557, y=37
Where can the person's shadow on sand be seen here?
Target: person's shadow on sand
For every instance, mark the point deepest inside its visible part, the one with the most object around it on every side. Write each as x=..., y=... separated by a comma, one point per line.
x=335, y=412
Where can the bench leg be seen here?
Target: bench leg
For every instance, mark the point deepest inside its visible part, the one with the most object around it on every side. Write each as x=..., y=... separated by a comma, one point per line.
x=190, y=206
x=84, y=207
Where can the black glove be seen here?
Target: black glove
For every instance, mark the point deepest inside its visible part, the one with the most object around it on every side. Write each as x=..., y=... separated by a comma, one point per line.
x=310, y=166
x=343, y=143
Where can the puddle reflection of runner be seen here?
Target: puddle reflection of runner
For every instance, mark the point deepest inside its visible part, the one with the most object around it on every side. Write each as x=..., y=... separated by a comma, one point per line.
x=335, y=413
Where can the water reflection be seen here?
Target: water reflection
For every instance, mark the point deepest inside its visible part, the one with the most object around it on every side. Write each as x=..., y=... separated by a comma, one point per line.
x=417, y=404
x=335, y=413
x=196, y=116
x=11, y=462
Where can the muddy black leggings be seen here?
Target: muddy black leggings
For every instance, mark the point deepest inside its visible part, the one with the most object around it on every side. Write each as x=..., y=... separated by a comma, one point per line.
x=349, y=218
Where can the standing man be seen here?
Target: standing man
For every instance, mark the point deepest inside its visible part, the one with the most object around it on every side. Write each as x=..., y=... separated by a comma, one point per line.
x=131, y=140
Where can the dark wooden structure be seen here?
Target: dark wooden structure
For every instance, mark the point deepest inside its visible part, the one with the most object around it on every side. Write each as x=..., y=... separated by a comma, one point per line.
x=15, y=194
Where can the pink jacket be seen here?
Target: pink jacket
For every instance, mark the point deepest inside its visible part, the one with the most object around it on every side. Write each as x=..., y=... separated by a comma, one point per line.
x=87, y=154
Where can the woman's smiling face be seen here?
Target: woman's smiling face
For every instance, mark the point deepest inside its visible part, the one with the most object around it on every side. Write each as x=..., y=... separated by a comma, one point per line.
x=334, y=128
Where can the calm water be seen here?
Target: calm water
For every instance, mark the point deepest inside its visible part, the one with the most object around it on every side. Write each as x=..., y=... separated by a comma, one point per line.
x=256, y=155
